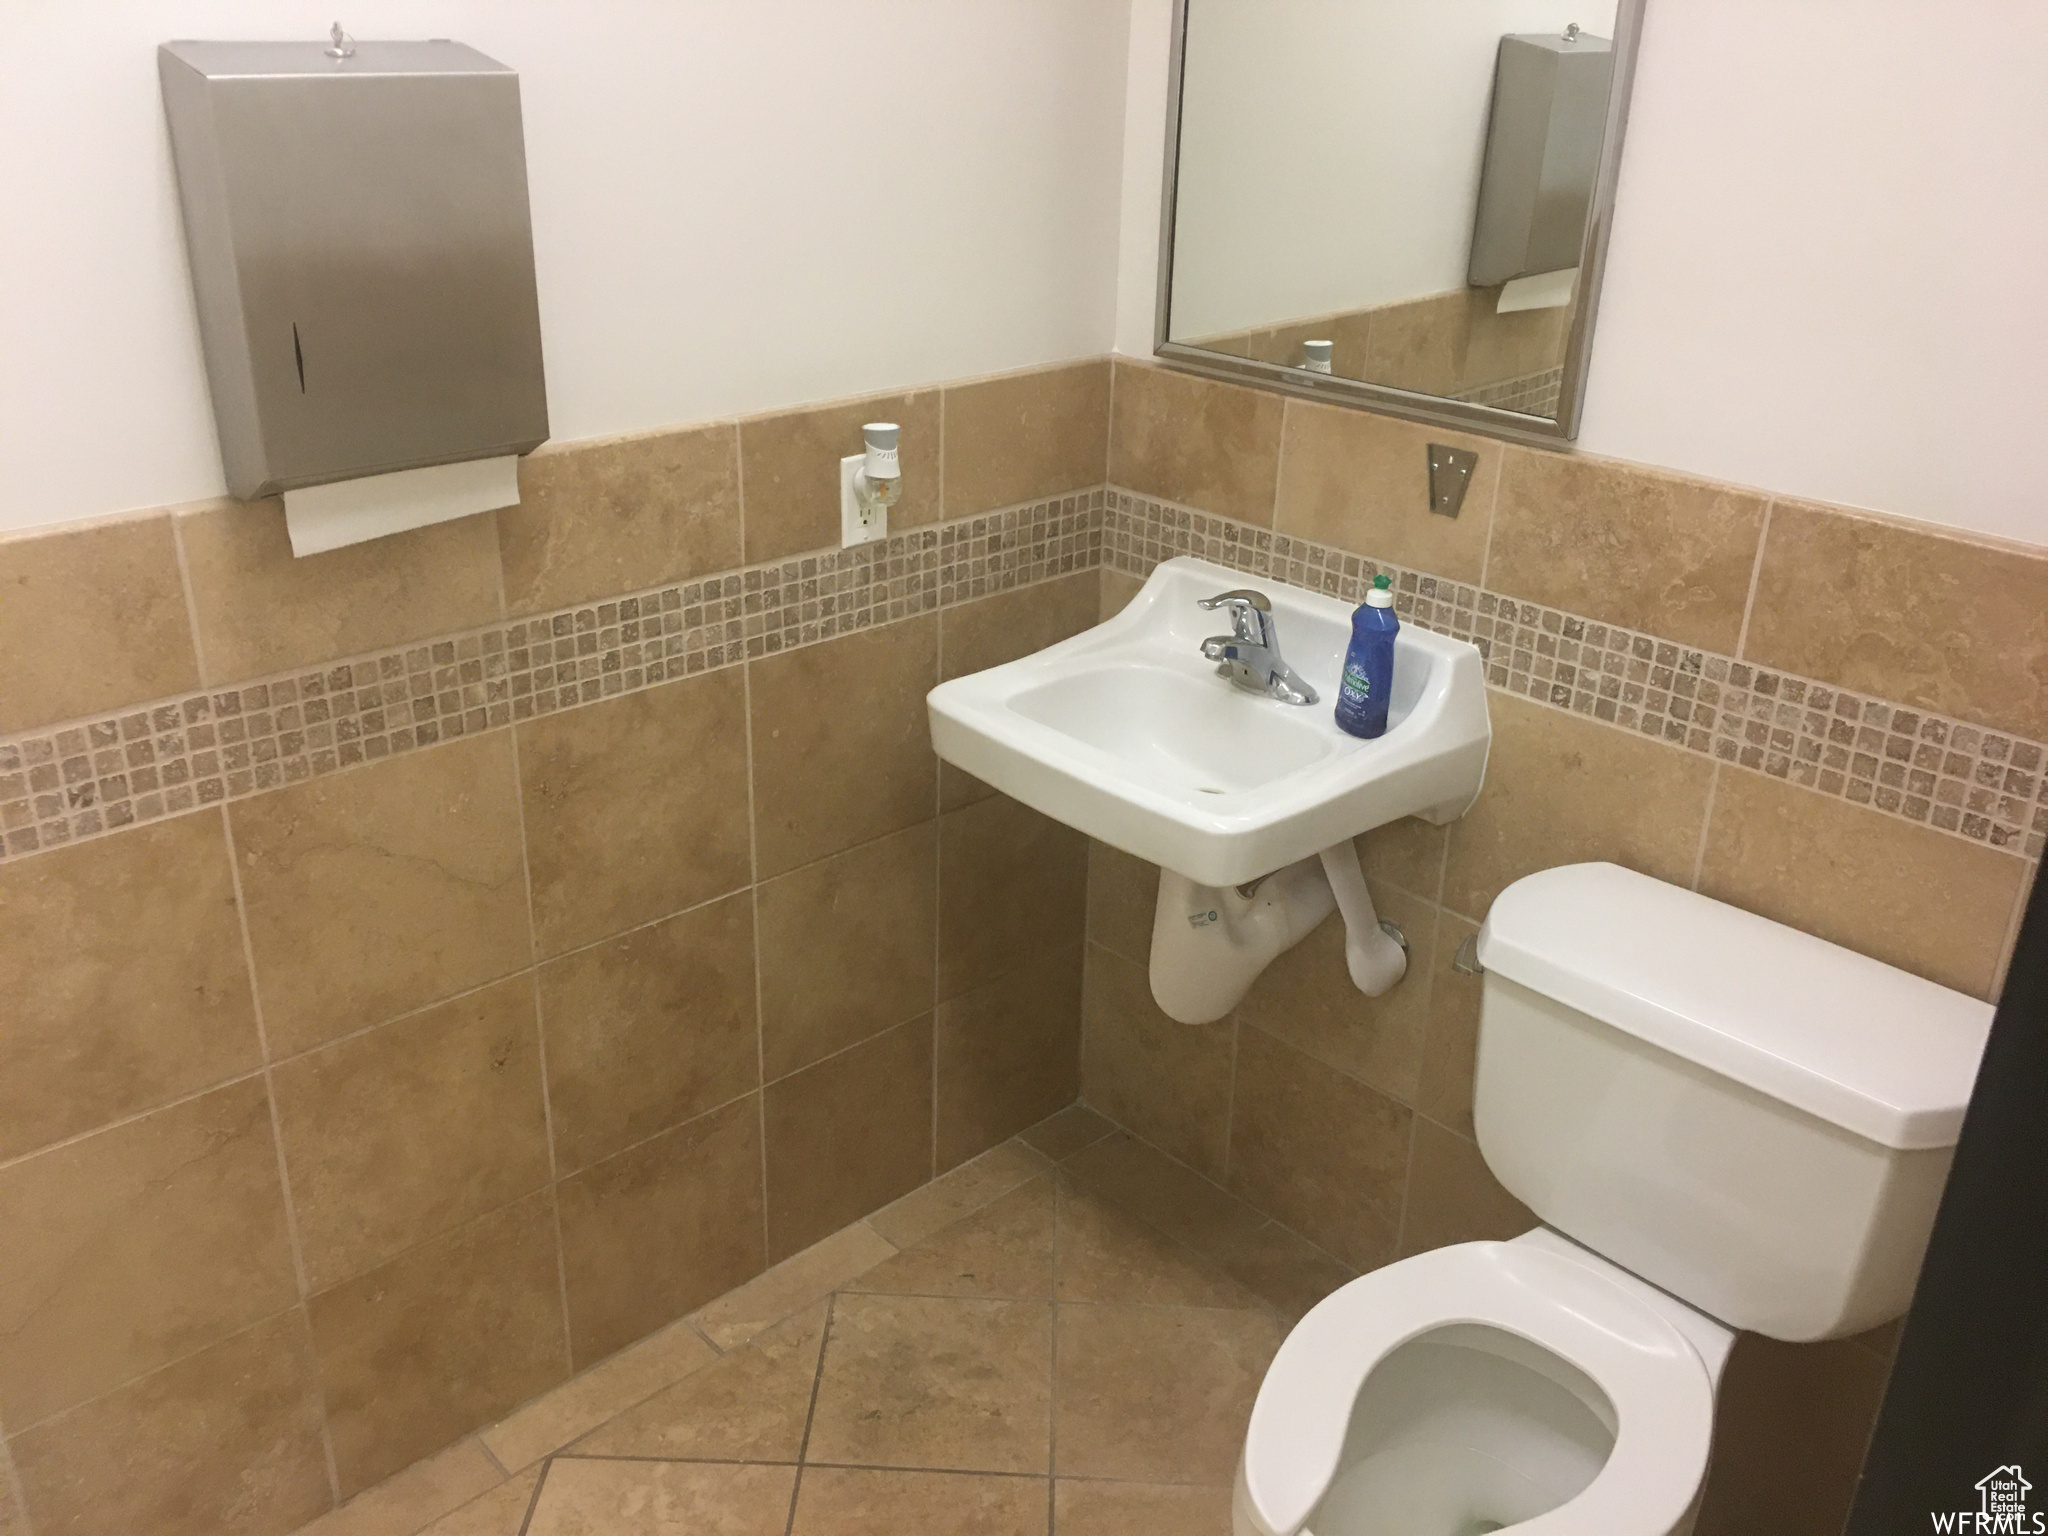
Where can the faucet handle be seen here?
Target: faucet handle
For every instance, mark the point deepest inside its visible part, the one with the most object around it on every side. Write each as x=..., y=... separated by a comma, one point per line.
x=1251, y=614
x=1243, y=597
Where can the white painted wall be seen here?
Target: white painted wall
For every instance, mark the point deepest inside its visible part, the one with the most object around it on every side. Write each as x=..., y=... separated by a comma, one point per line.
x=1331, y=150
x=1829, y=268
x=1827, y=273
x=700, y=171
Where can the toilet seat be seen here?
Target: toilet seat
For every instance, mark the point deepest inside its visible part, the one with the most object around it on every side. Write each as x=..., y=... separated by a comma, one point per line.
x=1661, y=1391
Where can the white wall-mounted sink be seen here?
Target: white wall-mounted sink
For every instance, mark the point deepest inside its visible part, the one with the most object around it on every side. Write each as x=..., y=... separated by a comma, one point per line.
x=1127, y=733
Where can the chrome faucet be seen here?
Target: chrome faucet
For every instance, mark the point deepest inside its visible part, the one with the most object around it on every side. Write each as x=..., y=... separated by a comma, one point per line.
x=1250, y=655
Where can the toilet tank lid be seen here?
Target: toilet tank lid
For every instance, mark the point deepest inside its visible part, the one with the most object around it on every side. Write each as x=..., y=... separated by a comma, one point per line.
x=1861, y=1044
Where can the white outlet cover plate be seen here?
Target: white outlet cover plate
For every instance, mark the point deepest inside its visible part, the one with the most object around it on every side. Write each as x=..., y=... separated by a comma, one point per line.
x=853, y=528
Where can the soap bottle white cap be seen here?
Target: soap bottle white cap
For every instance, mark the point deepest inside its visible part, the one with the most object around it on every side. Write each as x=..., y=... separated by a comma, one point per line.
x=1380, y=596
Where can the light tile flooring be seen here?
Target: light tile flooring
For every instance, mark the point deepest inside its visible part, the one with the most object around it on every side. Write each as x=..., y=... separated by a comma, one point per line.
x=1061, y=1338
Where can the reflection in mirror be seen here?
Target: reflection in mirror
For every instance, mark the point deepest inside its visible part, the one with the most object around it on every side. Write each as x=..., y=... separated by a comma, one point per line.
x=1392, y=191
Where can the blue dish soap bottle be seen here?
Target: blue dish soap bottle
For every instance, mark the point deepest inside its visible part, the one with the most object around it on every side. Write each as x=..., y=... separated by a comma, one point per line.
x=1368, y=681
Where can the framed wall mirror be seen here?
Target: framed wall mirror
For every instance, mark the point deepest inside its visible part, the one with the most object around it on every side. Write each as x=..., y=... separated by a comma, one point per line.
x=1402, y=204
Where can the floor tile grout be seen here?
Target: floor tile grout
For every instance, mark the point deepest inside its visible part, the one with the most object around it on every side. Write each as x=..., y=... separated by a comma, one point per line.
x=533, y=1501
x=796, y=1485
x=1051, y=1167
x=1350, y=1270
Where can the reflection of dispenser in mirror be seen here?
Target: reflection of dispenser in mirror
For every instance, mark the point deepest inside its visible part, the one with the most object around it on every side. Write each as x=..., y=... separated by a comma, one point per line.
x=1542, y=156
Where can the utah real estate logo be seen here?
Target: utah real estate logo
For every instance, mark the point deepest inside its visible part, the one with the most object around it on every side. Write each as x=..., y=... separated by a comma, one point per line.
x=2002, y=1507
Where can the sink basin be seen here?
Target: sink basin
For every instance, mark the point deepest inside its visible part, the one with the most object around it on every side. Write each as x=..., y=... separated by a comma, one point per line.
x=1128, y=733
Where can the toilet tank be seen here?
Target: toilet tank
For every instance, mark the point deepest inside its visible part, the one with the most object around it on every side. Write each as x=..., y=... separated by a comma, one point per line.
x=1755, y=1120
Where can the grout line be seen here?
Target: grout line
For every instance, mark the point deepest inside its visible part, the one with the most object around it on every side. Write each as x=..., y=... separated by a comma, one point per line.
x=12, y=1496
x=870, y=1466
x=568, y=1451
x=1096, y=523
x=405, y=1017
x=739, y=483
x=1119, y=1128
x=1230, y=1097
x=1108, y=414
x=646, y=1459
x=1165, y=530
x=441, y=1002
x=938, y=900
x=938, y=559
x=253, y=1074
x=540, y=1042
x=284, y=1177
x=754, y=906
x=238, y=1331
x=533, y=1502
x=191, y=598
x=873, y=1466
x=2012, y=935
x=498, y=561
x=634, y=1146
x=1287, y=404
x=1500, y=475
x=944, y=391
x=1756, y=572
x=1194, y=1254
x=1699, y=853
x=1407, y=1186
x=812, y=1065
x=490, y=1455
x=392, y=1258
x=811, y=1413
x=412, y=1013
x=689, y=1320
x=541, y=962
x=1052, y=1407
x=1109, y=430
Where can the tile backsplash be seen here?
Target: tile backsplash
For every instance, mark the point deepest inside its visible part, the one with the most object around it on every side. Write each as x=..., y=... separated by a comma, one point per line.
x=1790, y=708
x=1985, y=785
x=169, y=756
x=434, y=965
x=1455, y=344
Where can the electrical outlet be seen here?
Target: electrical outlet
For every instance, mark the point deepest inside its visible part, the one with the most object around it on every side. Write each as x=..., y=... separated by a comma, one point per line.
x=858, y=526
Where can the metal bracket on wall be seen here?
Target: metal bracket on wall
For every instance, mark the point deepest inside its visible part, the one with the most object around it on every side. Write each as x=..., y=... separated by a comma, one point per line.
x=1450, y=473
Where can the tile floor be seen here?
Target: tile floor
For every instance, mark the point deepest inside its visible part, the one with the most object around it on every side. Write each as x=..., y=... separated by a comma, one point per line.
x=1060, y=1338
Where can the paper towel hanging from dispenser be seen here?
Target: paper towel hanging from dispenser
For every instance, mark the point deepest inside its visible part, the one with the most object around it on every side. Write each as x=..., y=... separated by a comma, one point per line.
x=1543, y=143
x=362, y=257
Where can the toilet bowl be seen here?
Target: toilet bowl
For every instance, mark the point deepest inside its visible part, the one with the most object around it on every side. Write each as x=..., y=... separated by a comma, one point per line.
x=1526, y=1385
x=1722, y=1123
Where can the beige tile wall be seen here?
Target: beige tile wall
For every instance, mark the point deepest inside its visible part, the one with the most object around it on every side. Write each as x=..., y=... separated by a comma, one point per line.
x=1349, y=1119
x=353, y=1100
x=342, y=1116
x=1452, y=344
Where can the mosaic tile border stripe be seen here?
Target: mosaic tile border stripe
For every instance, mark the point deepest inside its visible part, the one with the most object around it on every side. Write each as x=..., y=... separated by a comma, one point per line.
x=83, y=779
x=1533, y=394
x=1982, y=785
x=87, y=778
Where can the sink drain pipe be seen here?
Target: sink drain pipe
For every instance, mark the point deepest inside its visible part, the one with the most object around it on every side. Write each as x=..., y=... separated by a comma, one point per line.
x=1210, y=943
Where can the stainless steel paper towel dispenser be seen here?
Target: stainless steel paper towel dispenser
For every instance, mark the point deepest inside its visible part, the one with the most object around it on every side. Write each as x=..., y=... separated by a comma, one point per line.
x=1542, y=154
x=362, y=255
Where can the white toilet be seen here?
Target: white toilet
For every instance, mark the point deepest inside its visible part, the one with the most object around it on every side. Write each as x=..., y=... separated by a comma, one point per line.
x=1723, y=1123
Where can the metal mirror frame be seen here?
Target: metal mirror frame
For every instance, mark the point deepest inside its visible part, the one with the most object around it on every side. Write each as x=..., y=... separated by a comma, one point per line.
x=1386, y=398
